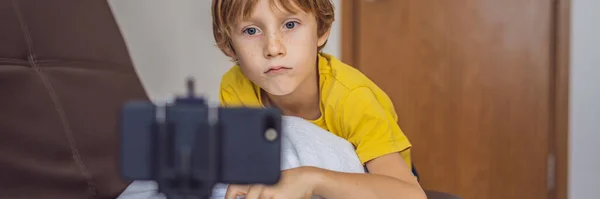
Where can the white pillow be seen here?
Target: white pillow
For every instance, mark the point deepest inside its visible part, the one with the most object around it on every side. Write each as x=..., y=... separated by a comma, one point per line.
x=306, y=144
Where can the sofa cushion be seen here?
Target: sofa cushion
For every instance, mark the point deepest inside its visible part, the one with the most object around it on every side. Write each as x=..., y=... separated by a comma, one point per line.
x=64, y=74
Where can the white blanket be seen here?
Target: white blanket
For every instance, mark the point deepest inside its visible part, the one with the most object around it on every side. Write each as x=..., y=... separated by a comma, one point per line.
x=303, y=144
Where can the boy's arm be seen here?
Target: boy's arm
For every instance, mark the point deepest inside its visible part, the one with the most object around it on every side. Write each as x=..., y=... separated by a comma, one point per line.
x=372, y=128
x=379, y=141
x=389, y=177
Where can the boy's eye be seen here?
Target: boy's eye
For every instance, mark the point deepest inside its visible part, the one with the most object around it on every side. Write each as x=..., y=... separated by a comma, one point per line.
x=290, y=24
x=250, y=31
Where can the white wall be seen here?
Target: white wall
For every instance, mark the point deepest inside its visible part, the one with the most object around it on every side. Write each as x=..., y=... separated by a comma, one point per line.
x=584, y=141
x=171, y=40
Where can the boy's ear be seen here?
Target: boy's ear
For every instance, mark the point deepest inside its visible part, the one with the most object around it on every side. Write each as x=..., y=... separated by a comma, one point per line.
x=323, y=39
x=231, y=51
x=231, y=54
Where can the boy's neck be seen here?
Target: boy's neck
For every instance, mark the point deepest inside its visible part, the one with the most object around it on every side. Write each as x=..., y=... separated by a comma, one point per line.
x=304, y=102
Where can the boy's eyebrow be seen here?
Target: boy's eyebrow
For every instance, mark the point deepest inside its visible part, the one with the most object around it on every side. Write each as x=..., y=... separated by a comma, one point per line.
x=279, y=7
x=255, y=20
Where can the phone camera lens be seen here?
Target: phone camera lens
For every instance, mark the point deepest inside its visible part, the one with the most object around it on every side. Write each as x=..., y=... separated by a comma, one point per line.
x=271, y=134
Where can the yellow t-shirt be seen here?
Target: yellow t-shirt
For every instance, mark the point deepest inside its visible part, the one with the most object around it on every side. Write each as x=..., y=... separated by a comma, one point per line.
x=352, y=107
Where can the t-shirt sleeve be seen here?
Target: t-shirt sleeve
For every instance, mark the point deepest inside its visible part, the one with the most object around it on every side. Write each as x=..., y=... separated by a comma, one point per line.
x=371, y=126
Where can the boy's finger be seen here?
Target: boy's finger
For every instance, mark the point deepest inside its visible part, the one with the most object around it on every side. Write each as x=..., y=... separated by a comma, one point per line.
x=236, y=190
x=255, y=192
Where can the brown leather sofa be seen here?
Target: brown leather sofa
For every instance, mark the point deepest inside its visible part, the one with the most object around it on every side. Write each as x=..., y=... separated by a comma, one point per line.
x=64, y=73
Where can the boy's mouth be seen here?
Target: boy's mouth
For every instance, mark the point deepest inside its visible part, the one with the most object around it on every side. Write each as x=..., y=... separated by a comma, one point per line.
x=276, y=69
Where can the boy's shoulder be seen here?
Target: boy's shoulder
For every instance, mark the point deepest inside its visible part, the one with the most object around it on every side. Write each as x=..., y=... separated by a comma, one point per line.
x=235, y=79
x=235, y=89
x=344, y=77
x=345, y=84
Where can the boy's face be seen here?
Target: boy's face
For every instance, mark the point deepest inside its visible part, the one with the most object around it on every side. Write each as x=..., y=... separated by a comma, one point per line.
x=275, y=49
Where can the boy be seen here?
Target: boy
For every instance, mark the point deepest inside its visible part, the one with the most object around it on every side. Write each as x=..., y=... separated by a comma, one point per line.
x=276, y=46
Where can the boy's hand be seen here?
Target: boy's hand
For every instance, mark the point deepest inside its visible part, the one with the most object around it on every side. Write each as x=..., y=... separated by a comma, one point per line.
x=297, y=183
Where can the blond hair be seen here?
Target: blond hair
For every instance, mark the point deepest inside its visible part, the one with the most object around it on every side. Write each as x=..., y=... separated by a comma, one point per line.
x=226, y=13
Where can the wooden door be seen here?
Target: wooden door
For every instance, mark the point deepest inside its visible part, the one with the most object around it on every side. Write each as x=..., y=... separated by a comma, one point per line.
x=472, y=83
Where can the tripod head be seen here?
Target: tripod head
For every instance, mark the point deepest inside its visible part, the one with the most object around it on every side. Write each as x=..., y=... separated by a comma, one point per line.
x=188, y=146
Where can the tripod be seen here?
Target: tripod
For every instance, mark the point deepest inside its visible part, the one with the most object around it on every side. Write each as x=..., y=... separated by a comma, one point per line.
x=188, y=146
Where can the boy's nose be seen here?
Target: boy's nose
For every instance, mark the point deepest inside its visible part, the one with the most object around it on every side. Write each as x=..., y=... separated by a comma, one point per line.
x=274, y=48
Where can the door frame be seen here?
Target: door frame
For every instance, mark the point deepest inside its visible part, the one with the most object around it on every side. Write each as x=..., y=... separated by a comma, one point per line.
x=559, y=142
x=560, y=55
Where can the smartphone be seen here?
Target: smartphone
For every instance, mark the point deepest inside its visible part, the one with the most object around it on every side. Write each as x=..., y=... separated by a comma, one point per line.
x=217, y=145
